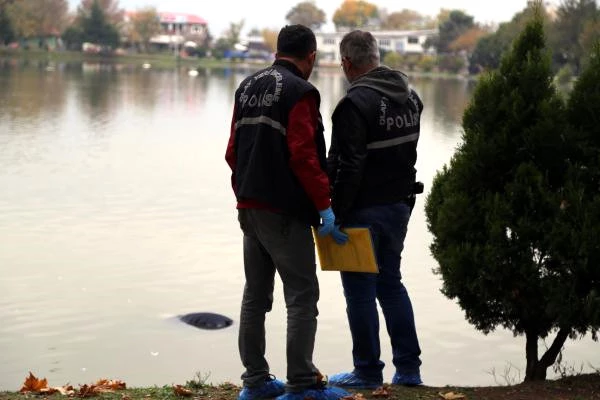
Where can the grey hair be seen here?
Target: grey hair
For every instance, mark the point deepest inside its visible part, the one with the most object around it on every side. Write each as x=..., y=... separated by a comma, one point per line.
x=360, y=47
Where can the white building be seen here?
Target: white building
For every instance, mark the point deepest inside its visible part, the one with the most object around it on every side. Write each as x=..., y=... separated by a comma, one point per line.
x=176, y=29
x=412, y=42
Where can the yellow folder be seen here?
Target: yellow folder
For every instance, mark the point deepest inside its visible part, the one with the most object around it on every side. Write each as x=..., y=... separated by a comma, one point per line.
x=356, y=255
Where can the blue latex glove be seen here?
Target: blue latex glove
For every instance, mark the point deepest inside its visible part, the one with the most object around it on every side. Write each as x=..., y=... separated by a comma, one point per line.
x=338, y=235
x=328, y=227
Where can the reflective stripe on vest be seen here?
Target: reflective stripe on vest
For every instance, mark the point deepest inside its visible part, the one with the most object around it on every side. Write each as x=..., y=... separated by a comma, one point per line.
x=382, y=144
x=261, y=120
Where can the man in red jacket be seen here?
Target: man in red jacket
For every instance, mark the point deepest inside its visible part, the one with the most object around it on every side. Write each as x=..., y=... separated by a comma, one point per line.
x=277, y=156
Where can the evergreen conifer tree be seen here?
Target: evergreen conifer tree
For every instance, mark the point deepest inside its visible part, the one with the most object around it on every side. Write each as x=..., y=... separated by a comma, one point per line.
x=98, y=29
x=493, y=208
x=577, y=232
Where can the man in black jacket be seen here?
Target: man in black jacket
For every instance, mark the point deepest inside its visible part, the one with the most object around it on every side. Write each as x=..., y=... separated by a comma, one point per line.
x=371, y=166
x=276, y=152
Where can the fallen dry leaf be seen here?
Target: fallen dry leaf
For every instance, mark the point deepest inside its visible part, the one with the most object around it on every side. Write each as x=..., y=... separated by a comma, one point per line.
x=111, y=384
x=33, y=384
x=380, y=392
x=86, y=391
x=182, y=391
x=356, y=396
x=48, y=391
x=102, y=386
x=452, y=396
x=66, y=390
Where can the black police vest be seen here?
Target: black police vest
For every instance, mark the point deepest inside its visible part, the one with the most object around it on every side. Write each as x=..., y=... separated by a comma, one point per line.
x=391, y=145
x=262, y=173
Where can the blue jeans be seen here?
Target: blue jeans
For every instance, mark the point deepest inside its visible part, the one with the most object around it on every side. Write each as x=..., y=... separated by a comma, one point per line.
x=388, y=225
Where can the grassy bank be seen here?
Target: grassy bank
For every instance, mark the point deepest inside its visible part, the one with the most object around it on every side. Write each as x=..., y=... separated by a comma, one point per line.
x=580, y=387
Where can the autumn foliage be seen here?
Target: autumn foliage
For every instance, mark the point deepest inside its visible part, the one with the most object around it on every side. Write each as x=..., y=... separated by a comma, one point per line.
x=355, y=14
x=34, y=385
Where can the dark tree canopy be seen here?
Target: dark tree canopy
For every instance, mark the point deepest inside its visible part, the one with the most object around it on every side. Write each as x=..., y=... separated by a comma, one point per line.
x=580, y=247
x=451, y=28
x=7, y=33
x=565, y=36
x=494, y=210
x=111, y=9
x=97, y=28
x=488, y=51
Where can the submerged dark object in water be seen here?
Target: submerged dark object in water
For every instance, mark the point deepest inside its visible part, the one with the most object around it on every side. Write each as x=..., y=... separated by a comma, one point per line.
x=205, y=320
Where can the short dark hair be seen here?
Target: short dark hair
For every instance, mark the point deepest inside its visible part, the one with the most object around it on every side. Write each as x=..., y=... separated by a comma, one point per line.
x=296, y=41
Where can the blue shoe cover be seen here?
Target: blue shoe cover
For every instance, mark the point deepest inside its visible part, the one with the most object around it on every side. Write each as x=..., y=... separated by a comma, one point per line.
x=269, y=389
x=326, y=393
x=351, y=380
x=413, y=379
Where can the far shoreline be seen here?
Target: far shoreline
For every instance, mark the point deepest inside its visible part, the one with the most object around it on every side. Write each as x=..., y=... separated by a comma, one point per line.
x=163, y=61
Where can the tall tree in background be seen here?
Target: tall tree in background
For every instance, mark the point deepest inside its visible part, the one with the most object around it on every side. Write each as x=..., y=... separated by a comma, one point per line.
x=589, y=37
x=270, y=38
x=355, y=14
x=489, y=49
x=97, y=28
x=7, y=33
x=494, y=210
x=38, y=18
x=450, y=29
x=468, y=40
x=145, y=24
x=306, y=13
x=232, y=35
x=111, y=10
x=22, y=15
x=229, y=40
x=572, y=17
x=407, y=20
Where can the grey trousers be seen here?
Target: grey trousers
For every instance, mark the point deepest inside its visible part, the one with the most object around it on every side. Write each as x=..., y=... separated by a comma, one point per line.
x=276, y=242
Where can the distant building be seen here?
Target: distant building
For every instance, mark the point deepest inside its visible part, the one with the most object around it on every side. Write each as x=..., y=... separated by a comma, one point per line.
x=411, y=42
x=254, y=48
x=180, y=28
x=177, y=30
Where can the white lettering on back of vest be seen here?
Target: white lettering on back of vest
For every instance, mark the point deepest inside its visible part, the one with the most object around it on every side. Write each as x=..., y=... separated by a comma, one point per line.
x=264, y=99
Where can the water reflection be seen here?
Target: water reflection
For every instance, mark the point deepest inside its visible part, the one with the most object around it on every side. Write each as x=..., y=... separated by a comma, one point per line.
x=30, y=92
x=116, y=214
x=445, y=100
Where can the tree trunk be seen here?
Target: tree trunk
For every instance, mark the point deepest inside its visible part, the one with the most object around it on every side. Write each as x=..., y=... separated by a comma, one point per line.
x=536, y=369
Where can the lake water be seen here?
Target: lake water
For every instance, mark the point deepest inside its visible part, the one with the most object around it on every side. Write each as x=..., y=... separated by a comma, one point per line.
x=116, y=215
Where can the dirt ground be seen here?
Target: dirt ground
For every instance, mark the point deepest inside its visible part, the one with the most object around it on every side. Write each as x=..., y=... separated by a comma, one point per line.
x=579, y=387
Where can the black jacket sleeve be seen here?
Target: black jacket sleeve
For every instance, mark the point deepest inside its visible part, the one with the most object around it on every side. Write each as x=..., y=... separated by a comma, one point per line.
x=347, y=157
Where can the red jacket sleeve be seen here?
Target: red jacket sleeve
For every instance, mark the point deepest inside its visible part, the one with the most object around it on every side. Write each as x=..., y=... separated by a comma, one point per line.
x=230, y=153
x=304, y=161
